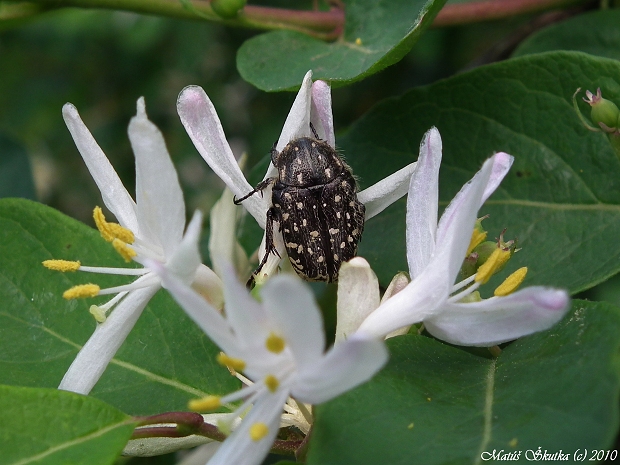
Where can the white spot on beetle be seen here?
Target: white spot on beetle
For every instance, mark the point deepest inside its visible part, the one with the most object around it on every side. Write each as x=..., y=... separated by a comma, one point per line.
x=314, y=234
x=334, y=231
x=337, y=198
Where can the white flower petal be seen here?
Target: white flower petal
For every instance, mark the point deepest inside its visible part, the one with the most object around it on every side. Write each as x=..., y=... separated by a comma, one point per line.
x=345, y=366
x=205, y=130
x=197, y=308
x=161, y=208
x=499, y=319
x=457, y=222
x=239, y=448
x=223, y=228
x=114, y=194
x=101, y=347
x=358, y=296
x=381, y=195
x=297, y=122
x=420, y=299
x=423, y=204
x=185, y=257
x=321, y=112
x=243, y=312
x=501, y=165
x=290, y=305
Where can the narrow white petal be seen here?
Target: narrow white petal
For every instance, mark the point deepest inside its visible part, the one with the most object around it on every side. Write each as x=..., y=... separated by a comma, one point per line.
x=161, y=208
x=114, y=194
x=223, y=225
x=344, y=367
x=499, y=319
x=205, y=130
x=93, y=358
x=291, y=308
x=246, y=316
x=297, y=122
x=358, y=296
x=422, y=298
x=423, y=204
x=185, y=257
x=321, y=113
x=381, y=195
x=209, y=286
x=239, y=448
x=501, y=165
x=198, y=309
x=457, y=222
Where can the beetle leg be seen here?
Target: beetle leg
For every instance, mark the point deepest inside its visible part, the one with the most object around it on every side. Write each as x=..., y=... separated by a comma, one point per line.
x=270, y=248
x=259, y=188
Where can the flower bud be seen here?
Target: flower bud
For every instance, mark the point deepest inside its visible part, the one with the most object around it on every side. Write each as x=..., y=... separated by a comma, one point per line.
x=604, y=113
x=227, y=8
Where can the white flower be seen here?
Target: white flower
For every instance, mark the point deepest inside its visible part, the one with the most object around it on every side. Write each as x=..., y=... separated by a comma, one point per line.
x=150, y=229
x=435, y=253
x=279, y=345
x=312, y=105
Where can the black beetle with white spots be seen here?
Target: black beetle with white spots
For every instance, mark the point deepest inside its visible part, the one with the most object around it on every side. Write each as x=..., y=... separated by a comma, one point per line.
x=314, y=200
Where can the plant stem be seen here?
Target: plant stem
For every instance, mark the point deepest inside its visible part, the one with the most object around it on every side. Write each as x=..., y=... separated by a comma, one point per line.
x=487, y=10
x=326, y=25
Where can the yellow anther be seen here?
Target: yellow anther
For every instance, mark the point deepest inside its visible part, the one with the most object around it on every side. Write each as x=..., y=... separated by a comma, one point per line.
x=111, y=231
x=258, y=431
x=62, y=265
x=121, y=233
x=81, y=291
x=98, y=313
x=494, y=263
x=272, y=383
x=477, y=238
x=511, y=283
x=124, y=250
x=275, y=343
x=205, y=404
x=236, y=364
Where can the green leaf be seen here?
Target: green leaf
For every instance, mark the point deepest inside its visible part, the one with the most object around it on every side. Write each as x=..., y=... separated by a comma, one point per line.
x=439, y=404
x=47, y=426
x=165, y=361
x=15, y=175
x=561, y=198
x=387, y=29
x=595, y=32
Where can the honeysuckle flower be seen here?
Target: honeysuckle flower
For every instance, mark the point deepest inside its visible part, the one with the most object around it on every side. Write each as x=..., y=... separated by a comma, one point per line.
x=150, y=231
x=435, y=253
x=279, y=345
x=311, y=106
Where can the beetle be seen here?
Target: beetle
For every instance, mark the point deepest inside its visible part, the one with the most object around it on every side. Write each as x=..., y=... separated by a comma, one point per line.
x=314, y=200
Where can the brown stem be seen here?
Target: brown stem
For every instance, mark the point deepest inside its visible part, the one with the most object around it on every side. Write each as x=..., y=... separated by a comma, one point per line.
x=487, y=10
x=326, y=25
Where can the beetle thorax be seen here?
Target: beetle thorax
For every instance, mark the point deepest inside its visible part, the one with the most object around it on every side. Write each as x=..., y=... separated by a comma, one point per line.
x=307, y=162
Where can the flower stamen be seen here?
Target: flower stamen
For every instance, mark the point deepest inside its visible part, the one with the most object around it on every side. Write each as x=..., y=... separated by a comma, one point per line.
x=231, y=363
x=62, y=265
x=275, y=343
x=205, y=404
x=494, y=263
x=82, y=291
x=511, y=283
x=124, y=250
x=258, y=431
x=111, y=231
x=272, y=383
